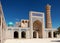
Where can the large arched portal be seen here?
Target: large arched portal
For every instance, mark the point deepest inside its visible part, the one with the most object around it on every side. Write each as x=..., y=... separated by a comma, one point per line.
x=37, y=26
x=23, y=34
x=15, y=34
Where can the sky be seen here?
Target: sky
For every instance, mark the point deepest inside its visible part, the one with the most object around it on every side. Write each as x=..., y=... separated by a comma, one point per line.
x=15, y=10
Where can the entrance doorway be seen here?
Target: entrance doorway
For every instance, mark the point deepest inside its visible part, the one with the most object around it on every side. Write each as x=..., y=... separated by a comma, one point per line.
x=49, y=35
x=34, y=34
x=37, y=26
x=23, y=34
x=54, y=34
x=15, y=34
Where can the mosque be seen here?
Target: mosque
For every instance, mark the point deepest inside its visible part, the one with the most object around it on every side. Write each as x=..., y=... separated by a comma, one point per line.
x=35, y=27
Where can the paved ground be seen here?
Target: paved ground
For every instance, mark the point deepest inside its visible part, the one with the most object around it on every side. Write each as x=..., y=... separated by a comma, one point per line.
x=33, y=40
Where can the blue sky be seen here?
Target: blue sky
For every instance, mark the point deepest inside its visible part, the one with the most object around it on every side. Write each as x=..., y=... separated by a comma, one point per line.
x=15, y=10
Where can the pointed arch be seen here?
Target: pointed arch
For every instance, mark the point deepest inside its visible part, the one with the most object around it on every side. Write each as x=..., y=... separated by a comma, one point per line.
x=54, y=34
x=34, y=34
x=23, y=34
x=49, y=34
x=37, y=26
x=16, y=34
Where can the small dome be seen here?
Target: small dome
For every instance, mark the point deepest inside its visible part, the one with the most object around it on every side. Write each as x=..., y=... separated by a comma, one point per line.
x=10, y=24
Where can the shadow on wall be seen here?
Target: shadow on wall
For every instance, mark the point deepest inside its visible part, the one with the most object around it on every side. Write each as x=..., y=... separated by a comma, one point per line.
x=55, y=41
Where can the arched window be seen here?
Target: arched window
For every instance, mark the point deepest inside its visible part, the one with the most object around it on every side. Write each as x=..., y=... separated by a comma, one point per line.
x=15, y=34
x=23, y=34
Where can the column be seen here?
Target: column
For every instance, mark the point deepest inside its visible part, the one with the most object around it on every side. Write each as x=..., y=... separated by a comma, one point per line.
x=31, y=25
x=31, y=36
x=31, y=32
x=46, y=34
x=27, y=34
x=52, y=33
x=37, y=34
x=12, y=33
x=19, y=34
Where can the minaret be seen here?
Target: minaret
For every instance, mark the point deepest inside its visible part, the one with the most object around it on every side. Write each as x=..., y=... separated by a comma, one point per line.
x=48, y=16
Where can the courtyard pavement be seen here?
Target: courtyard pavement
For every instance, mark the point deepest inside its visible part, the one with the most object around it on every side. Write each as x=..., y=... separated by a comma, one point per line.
x=45, y=40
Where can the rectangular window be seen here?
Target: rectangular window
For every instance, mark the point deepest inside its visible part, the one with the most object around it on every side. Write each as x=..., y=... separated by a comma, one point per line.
x=37, y=14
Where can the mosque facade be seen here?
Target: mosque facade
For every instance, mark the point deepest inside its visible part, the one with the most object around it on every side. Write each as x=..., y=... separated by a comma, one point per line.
x=35, y=27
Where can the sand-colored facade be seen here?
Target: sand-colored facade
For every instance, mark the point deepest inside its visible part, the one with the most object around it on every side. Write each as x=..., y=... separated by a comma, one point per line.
x=27, y=29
